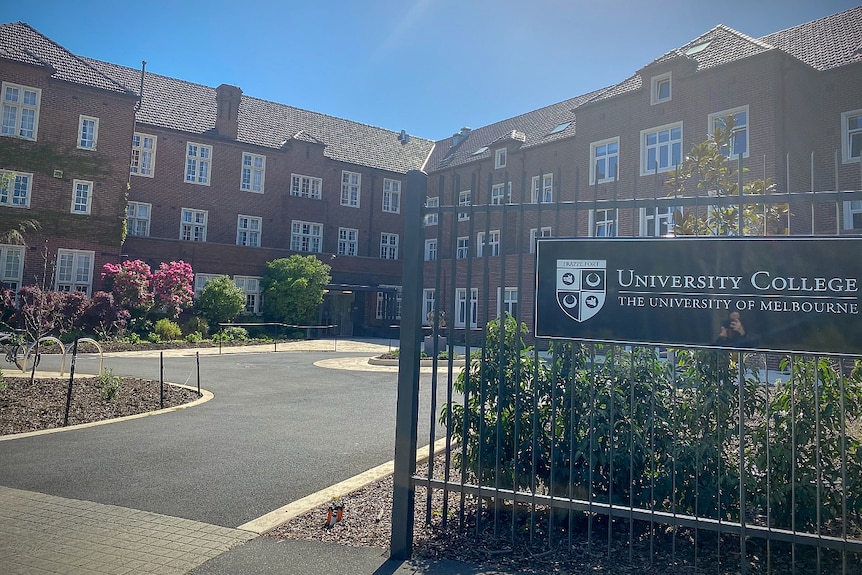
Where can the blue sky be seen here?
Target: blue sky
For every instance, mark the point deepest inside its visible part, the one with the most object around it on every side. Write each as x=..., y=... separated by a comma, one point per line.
x=427, y=66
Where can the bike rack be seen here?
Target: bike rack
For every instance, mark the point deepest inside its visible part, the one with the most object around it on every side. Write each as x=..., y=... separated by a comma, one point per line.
x=80, y=341
x=32, y=346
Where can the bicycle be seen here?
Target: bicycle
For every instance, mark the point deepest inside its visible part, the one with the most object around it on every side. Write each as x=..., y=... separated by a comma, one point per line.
x=18, y=351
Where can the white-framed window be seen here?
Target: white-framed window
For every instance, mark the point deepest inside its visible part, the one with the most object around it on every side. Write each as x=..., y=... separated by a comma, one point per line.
x=509, y=301
x=536, y=233
x=389, y=303
x=193, y=225
x=463, y=311
x=429, y=307
x=74, y=271
x=351, y=183
x=305, y=186
x=15, y=189
x=500, y=158
x=463, y=248
x=348, y=241
x=604, y=160
x=143, y=155
x=657, y=223
x=253, y=173
x=388, y=246
x=493, y=243
x=853, y=215
x=432, y=217
x=603, y=223
x=138, y=219
x=88, y=132
x=851, y=136
x=248, y=230
x=430, y=250
x=660, y=88
x=542, y=189
x=201, y=280
x=20, y=111
x=306, y=236
x=198, y=159
x=661, y=148
x=391, y=196
x=250, y=285
x=11, y=266
x=738, y=140
x=464, y=199
x=82, y=196
x=501, y=194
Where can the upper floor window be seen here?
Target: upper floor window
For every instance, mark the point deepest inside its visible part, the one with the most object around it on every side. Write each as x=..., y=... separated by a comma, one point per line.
x=250, y=285
x=248, y=230
x=193, y=225
x=500, y=158
x=306, y=236
x=198, y=158
x=660, y=88
x=432, y=217
x=658, y=222
x=388, y=246
x=661, y=149
x=143, y=155
x=853, y=215
x=350, y=188
x=493, y=243
x=15, y=188
x=391, y=196
x=736, y=121
x=463, y=248
x=603, y=223
x=464, y=199
x=253, y=171
x=501, y=194
x=82, y=196
x=138, y=219
x=430, y=250
x=543, y=189
x=11, y=266
x=20, y=111
x=604, y=160
x=536, y=233
x=88, y=132
x=305, y=186
x=851, y=136
x=348, y=241
x=74, y=271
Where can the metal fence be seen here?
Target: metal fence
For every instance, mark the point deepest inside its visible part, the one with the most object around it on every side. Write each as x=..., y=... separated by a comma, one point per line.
x=722, y=461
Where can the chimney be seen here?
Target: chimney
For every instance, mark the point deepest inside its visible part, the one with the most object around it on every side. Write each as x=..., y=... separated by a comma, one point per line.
x=227, y=110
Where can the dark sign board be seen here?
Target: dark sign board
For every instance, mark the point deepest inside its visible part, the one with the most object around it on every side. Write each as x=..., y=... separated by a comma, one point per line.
x=772, y=294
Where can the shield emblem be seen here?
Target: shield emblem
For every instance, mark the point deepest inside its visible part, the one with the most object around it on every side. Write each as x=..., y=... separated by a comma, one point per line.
x=581, y=287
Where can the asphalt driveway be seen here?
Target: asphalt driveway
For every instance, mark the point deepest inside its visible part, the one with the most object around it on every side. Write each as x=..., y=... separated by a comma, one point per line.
x=278, y=428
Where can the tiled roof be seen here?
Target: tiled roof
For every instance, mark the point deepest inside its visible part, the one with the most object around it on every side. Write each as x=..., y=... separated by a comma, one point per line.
x=20, y=42
x=533, y=129
x=187, y=107
x=826, y=43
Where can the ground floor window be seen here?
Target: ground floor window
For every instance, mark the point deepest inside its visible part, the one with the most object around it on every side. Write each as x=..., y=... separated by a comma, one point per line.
x=75, y=271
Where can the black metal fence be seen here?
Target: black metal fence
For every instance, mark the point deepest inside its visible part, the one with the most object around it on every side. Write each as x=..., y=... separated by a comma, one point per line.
x=724, y=461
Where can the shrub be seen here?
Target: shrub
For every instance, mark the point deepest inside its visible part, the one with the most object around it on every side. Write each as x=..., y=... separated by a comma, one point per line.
x=153, y=337
x=196, y=324
x=229, y=334
x=167, y=330
x=194, y=337
x=110, y=383
x=220, y=301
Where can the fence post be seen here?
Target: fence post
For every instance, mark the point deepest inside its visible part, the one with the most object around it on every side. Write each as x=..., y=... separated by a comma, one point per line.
x=407, y=409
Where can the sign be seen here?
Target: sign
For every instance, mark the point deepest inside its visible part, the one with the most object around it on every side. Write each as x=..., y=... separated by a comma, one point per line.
x=770, y=294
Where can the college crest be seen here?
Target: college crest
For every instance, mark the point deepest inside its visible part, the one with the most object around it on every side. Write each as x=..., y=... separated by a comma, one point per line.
x=581, y=287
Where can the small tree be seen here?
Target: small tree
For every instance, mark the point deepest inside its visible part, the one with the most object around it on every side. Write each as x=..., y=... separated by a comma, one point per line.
x=172, y=287
x=129, y=282
x=293, y=288
x=220, y=301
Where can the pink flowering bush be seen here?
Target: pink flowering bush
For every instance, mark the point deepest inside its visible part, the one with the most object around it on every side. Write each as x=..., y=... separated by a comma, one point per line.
x=172, y=287
x=129, y=282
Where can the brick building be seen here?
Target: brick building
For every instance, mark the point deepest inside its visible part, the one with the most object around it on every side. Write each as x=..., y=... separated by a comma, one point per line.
x=227, y=182
x=593, y=165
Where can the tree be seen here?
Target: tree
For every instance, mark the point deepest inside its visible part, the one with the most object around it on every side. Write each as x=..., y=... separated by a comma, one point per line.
x=293, y=288
x=220, y=301
x=129, y=282
x=709, y=169
x=172, y=287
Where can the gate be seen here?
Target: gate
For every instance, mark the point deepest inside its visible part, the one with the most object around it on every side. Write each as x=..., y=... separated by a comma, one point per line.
x=727, y=461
